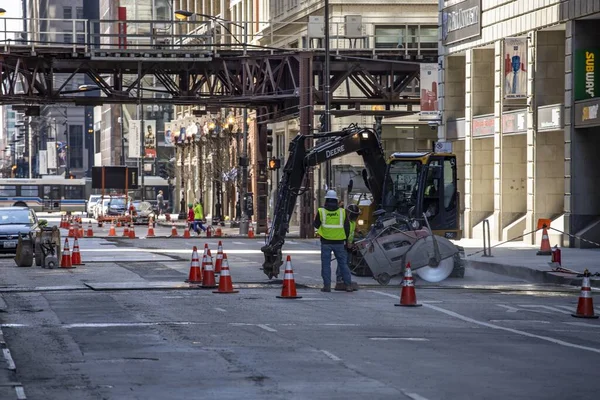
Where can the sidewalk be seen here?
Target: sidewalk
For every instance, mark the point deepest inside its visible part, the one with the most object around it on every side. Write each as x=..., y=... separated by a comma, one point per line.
x=226, y=230
x=520, y=260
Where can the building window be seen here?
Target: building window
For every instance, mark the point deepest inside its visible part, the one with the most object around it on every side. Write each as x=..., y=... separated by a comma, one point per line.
x=75, y=146
x=29, y=191
x=410, y=37
x=79, y=12
x=67, y=12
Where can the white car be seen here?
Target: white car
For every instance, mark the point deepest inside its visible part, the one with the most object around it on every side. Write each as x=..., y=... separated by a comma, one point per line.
x=101, y=207
x=92, y=203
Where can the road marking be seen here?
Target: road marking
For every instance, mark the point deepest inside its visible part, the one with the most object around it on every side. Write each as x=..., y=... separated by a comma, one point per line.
x=173, y=297
x=582, y=324
x=498, y=327
x=544, y=307
x=180, y=251
x=266, y=328
x=509, y=308
x=334, y=324
x=104, y=324
x=9, y=359
x=220, y=309
x=310, y=277
x=535, y=321
x=330, y=355
x=413, y=396
x=238, y=243
x=409, y=339
x=20, y=393
x=573, y=308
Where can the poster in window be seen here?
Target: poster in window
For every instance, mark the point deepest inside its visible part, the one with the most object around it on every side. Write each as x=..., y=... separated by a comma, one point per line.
x=43, y=162
x=61, y=150
x=429, y=91
x=169, y=139
x=515, y=68
x=134, y=138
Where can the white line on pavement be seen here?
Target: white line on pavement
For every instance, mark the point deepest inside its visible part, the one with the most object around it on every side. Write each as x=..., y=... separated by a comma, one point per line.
x=187, y=251
x=266, y=328
x=544, y=307
x=9, y=359
x=529, y=321
x=582, y=324
x=509, y=308
x=330, y=355
x=220, y=309
x=498, y=327
x=413, y=396
x=20, y=393
x=104, y=324
x=409, y=339
x=238, y=243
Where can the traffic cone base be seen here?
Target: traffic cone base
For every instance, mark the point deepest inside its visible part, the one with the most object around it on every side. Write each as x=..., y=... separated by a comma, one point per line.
x=225, y=283
x=408, y=297
x=585, y=304
x=545, y=249
x=288, y=291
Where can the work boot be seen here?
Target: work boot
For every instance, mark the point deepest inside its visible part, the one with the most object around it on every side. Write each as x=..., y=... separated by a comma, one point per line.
x=349, y=287
x=340, y=286
x=326, y=289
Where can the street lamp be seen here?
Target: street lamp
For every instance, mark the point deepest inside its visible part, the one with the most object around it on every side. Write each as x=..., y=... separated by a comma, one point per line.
x=2, y=12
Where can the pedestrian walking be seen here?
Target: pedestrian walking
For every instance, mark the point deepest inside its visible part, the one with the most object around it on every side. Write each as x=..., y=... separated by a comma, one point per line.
x=160, y=201
x=353, y=212
x=333, y=227
x=199, y=217
x=191, y=218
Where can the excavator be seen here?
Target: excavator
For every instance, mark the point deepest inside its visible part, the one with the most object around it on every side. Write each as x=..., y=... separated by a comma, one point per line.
x=415, y=206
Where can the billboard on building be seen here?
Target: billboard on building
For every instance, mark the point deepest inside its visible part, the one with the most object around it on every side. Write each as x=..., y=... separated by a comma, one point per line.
x=515, y=68
x=150, y=138
x=461, y=21
x=134, y=138
x=51, y=156
x=61, y=150
x=169, y=138
x=586, y=73
x=429, y=91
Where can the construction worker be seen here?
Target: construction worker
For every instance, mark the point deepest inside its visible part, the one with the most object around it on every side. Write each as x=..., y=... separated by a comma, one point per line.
x=353, y=212
x=333, y=227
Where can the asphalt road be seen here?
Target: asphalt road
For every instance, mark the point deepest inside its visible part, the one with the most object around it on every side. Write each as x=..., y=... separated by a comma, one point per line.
x=124, y=326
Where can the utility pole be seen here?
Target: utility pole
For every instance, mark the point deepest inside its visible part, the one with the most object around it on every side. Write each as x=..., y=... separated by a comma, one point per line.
x=327, y=90
x=244, y=223
x=142, y=136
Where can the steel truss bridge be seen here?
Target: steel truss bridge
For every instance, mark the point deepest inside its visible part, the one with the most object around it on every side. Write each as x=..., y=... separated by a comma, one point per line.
x=209, y=70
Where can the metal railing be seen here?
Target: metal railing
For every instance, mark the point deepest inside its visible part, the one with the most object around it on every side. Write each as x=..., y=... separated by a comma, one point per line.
x=210, y=35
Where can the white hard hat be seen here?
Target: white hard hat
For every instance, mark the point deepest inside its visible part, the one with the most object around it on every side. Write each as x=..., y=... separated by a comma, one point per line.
x=331, y=194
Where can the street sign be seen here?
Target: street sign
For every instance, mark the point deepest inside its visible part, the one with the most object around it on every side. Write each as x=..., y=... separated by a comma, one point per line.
x=443, y=147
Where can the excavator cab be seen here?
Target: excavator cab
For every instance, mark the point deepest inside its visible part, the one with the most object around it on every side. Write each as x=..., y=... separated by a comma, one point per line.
x=425, y=183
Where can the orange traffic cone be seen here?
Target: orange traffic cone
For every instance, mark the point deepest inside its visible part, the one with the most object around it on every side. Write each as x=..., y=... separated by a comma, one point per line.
x=112, y=231
x=288, y=291
x=218, y=232
x=408, y=297
x=225, y=284
x=150, y=228
x=208, y=231
x=585, y=305
x=65, y=260
x=195, y=275
x=545, y=249
x=208, y=274
x=79, y=229
x=90, y=230
x=174, y=231
x=250, y=232
x=71, y=231
x=131, y=231
x=76, y=256
x=219, y=258
x=126, y=231
x=186, y=233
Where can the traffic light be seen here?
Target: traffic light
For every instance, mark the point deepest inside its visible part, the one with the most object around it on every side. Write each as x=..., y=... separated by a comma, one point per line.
x=274, y=163
x=269, y=140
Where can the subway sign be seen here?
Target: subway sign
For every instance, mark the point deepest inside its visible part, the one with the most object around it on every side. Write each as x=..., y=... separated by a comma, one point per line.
x=587, y=74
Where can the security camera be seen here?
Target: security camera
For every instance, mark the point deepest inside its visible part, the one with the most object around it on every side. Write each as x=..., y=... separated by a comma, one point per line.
x=433, y=125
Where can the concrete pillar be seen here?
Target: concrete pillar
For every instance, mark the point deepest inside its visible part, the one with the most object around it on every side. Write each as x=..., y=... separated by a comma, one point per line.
x=468, y=215
x=533, y=68
x=496, y=225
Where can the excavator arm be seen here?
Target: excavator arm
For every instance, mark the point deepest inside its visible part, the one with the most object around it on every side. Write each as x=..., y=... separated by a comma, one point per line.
x=331, y=145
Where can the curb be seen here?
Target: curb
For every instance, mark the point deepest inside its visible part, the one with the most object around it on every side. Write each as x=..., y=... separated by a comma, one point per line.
x=529, y=274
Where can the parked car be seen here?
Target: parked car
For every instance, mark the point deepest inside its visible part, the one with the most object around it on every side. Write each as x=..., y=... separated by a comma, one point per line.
x=116, y=207
x=92, y=203
x=15, y=221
